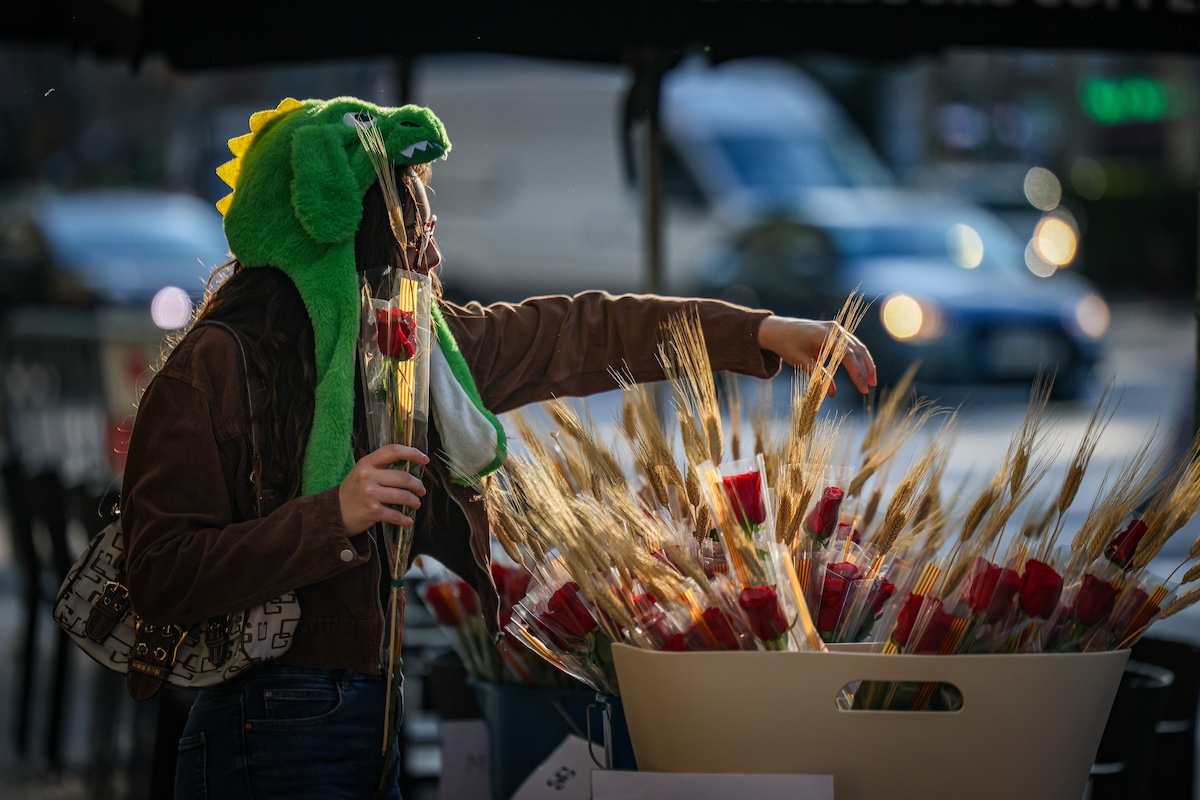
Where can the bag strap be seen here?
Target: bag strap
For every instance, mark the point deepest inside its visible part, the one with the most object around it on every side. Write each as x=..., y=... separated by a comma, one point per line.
x=152, y=655
x=256, y=458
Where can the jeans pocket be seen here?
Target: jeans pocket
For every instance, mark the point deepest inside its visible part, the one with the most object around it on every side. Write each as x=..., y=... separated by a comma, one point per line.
x=191, y=782
x=297, y=701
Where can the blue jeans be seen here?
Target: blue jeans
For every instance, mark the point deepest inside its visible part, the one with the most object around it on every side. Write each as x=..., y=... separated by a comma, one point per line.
x=287, y=732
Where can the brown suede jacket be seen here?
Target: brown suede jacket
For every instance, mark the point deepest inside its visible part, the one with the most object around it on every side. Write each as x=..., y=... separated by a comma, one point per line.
x=196, y=547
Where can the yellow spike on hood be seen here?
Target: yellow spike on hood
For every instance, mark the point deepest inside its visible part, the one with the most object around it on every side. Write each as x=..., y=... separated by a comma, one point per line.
x=230, y=170
x=240, y=144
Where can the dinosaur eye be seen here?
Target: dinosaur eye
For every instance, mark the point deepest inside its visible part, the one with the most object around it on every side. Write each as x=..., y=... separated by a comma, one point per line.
x=358, y=119
x=409, y=124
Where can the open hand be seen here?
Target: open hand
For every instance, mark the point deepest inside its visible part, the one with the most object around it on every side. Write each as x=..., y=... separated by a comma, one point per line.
x=798, y=342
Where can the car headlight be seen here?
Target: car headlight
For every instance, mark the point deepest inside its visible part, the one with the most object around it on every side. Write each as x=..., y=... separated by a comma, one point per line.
x=907, y=318
x=1092, y=316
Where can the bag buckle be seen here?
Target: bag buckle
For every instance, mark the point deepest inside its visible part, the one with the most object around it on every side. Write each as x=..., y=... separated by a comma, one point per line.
x=216, y=639
x=109, y=609
x=155, y=648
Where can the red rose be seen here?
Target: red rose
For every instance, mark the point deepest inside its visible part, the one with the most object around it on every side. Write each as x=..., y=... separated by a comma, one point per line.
x=881, y=592
x=516, y=585
x=677, y=643
x=1130, y=608
x=907, y=618
x=936, y=630
x=438, y=599
x=833, y=594
x=394, y=330
x=1039, y=589
x=1095, y=601
x=657, y=628
x=823, y=519
x=566, y=614
x=745, y=495
x=764, y=612
x=833, y=598
x=1006, y=589
x=717, y=623
x=1121, y=549
x=468, y=601
x=981, y=585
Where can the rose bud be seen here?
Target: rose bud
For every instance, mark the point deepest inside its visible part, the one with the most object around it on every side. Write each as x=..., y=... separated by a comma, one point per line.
x=907, y=618
x=833, y=598
x=881, y=592
x=982, y=584
x=676, y=644
x=657, y=628
x=823, y=518
x=719, y=627
x=1007, y=584
x=1095, y=601
x=566, y=614
x=437, y=597
x=1121, y=549
x=745, y=495
x=764, y=612
x=394, y=330
x=936, y=630
x=1039, y=589
x=468, y=601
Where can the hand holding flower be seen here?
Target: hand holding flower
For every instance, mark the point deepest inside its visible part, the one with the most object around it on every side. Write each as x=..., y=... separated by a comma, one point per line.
x=373, y=491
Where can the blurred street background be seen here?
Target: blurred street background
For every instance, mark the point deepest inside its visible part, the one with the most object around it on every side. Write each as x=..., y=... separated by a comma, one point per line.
x=1006, y=210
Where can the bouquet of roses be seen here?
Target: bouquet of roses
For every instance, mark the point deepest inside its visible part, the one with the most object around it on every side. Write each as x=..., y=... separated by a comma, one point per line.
x=563, y=627
x=455, y=606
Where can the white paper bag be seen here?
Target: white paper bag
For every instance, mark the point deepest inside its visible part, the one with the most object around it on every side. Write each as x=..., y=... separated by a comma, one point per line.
x=465, y=770
x=565, y=775
x=615, y=785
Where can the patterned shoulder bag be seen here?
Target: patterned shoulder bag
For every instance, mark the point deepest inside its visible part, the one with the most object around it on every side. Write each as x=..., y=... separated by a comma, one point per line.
x=97, y=613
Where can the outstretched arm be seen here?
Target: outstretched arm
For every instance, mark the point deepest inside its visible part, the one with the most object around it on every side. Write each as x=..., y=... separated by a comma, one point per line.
x=798, y=342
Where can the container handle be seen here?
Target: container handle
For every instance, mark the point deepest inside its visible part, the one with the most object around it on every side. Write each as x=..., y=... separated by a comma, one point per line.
x=606, y=721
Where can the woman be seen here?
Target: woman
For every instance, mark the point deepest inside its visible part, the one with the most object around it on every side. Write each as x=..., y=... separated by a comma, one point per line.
x=311, y=722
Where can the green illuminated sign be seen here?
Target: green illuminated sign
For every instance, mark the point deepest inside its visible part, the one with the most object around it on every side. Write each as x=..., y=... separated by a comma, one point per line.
x=1138, y=98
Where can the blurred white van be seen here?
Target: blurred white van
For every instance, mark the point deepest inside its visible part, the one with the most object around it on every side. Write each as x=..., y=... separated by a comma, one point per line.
x=536, y=196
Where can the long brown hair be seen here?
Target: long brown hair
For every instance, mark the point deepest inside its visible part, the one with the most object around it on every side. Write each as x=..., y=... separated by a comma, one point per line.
x=265, y=301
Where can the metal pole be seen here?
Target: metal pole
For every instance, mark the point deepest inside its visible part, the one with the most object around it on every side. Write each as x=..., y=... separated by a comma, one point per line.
x=647, y=91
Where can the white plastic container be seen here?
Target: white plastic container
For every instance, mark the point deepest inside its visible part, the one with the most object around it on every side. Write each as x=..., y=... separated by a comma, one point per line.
x=1028, y=727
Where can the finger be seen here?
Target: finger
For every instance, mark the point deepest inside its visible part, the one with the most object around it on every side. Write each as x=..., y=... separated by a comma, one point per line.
x=400, y=479
x=393, y=453
x=860, y=367
x=398, y=497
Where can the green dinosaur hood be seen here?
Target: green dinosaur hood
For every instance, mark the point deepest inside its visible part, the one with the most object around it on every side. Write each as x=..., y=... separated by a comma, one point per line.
x=298, y=182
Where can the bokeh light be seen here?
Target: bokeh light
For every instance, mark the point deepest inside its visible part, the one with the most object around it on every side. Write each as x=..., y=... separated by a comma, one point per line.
x=1055, y=240
x=1036, y=264
x=964, y=245
x=171, y=308
x=905, y=317
x=1092, y=316
x=902, y=316
x=1042, y=189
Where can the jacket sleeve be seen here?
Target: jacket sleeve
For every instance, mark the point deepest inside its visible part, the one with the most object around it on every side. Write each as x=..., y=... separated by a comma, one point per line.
x=188, y=555
x=560, y=346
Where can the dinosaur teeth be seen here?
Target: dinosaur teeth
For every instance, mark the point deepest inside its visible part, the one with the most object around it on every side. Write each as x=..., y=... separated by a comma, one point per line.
x=412, y=148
